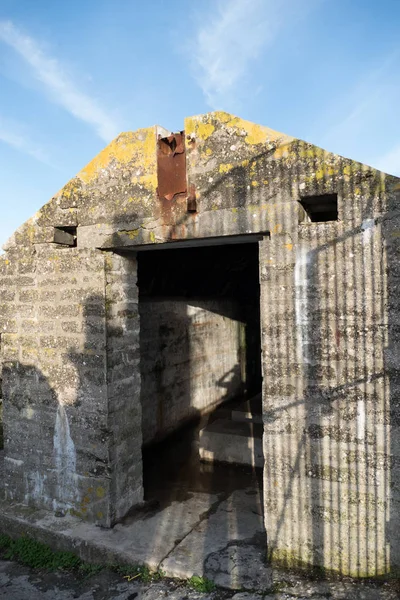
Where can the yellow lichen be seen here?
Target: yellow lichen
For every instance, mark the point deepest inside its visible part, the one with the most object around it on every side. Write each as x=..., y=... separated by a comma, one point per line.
x=138, y=148
x=100, y=492
x=222, y=116
x=132, y=234
x=256, y=135
x=199, y=126
x=324, y=171
x=225, y=168
x=347, y=170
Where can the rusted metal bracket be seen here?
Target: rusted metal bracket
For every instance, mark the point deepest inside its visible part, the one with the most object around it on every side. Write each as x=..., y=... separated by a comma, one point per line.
x=171, y=169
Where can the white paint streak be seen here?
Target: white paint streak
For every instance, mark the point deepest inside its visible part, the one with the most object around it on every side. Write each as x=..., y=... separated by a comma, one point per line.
x=64, y=459
x=361, y=419
x=301, y=304
x=368, y=230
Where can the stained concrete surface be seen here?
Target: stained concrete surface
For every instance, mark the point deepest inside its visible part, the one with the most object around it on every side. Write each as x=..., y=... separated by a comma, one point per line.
x=20, y=583
x=180, y=538
x=194, y=514
x=238, y=519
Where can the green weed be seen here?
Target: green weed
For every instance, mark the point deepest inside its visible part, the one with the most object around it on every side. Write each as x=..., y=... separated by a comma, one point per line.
x=201, y=584
x=36, y=555
x=139, y=572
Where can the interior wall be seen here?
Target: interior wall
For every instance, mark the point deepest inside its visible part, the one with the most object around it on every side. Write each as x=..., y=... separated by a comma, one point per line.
x=199, y=331
x=191, y=359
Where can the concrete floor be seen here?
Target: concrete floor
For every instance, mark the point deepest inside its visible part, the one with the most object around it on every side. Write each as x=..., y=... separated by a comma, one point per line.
x=220, y=538
x=216, y=528
x=199, y=519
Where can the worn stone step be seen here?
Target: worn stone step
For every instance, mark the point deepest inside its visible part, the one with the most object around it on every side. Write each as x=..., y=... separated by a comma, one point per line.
x=238, y=442
x=248, y=410
x=241, y=410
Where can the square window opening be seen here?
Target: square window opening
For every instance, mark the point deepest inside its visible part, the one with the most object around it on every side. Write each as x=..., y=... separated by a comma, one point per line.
x=321, y=209
x=66, y=236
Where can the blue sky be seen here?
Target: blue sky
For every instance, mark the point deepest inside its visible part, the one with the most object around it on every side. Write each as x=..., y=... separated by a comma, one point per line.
x=74, y=74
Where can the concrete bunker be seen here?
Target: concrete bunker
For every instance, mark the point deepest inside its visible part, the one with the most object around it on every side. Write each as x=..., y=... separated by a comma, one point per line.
x=80, y=338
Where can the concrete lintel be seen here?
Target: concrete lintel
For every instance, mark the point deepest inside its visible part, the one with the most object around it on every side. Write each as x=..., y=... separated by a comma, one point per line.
x=208, y=241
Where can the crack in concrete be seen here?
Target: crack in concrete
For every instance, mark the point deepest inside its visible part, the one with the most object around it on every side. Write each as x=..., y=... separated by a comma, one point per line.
x=210, y=511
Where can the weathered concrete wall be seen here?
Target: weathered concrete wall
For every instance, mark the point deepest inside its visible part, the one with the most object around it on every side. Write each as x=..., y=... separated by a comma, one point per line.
x=61, y=449
x=331, y=441
x=123, y=384
x=114, y=198
x=330, y=334
x=55, y=400
x=190, y=360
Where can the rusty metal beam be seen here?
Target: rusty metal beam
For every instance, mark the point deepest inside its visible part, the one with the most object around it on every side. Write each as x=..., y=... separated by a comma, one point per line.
x=171, y=166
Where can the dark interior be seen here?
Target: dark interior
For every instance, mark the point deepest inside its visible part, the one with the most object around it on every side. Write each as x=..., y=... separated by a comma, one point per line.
x=321, y=209
x=172, y=466
x=229, y=271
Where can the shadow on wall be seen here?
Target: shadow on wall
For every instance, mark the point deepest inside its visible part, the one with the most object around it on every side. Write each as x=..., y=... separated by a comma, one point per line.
x=60, y=435
x=334, y=415
x=331, y=354
x=195, y=307
x=331, y=377
x=184, y=359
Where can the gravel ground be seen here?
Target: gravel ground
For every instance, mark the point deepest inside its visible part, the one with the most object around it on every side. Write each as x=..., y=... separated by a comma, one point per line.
x=20, y=583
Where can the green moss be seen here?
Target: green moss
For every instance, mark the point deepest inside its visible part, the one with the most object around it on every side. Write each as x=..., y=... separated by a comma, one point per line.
x=36, y=555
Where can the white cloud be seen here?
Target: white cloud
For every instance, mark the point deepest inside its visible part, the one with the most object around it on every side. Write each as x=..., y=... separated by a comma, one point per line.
x=363, y=103
x=362, y=120
x=227, y=42
x=63, y=91
x=13, y=135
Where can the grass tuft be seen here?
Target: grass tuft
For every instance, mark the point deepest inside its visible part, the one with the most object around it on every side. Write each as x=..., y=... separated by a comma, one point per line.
x=201, y=584
x=139, y=572
x=36, y=555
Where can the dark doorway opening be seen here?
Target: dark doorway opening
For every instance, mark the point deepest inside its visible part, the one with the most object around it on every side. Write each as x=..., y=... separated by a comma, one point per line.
x=200, y=370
